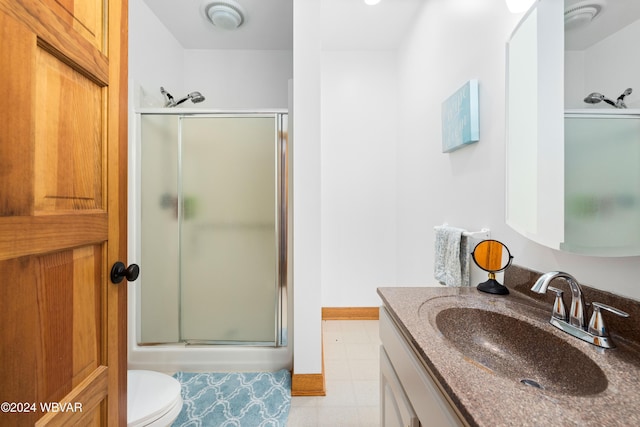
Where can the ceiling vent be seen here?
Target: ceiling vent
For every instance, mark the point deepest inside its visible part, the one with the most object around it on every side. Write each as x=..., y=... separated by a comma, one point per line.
x=223, y=14
x=582, y=13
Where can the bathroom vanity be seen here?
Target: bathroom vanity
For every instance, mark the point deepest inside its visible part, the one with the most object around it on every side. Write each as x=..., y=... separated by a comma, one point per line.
x=455, y=356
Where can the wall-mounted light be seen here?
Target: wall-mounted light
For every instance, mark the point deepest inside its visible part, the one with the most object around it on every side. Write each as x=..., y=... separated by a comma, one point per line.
x=519, y=6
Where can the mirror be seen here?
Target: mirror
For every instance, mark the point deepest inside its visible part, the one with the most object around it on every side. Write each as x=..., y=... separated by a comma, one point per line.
x=492, y=256
x=573, y=166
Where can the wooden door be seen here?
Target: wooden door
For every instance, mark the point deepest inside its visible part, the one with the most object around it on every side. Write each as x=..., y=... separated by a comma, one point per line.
x=63, y=138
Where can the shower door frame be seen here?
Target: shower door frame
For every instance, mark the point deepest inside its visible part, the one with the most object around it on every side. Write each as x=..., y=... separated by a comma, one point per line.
x=281, y=219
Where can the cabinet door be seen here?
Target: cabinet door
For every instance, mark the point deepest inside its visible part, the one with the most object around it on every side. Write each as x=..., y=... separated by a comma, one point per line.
x=395, y=409
x=420, y=389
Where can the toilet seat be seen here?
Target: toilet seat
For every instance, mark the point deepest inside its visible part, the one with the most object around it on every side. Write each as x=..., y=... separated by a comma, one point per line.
x=153, y=399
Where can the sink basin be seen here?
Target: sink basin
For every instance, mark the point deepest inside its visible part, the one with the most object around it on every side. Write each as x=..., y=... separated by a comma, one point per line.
x=516, y=349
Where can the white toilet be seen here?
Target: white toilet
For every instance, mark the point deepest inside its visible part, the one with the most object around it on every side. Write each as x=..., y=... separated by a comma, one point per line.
x=153, y=399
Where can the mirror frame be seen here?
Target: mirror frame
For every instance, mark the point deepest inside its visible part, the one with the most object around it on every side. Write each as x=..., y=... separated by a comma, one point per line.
x=492, y=286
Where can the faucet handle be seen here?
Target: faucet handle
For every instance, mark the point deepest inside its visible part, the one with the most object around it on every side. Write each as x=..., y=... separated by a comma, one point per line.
x=559, y=309
x=596, y=324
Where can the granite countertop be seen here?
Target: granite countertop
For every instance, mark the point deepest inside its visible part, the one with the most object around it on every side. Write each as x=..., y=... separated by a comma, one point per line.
x=608, y=394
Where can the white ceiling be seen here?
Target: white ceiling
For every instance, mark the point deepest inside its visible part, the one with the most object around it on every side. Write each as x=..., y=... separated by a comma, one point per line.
x=346, y=24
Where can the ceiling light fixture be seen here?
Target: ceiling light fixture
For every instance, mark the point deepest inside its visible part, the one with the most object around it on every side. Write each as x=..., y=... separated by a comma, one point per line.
x=223, y=14
x=372, y=2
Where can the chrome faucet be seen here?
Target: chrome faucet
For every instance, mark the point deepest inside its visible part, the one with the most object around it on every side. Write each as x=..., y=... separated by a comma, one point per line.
x=576, y=313
x=575, y=324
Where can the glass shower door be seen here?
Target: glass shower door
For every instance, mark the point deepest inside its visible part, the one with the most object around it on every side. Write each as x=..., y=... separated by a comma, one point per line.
x=159, y=229
x=228, y=229
x=602, y=184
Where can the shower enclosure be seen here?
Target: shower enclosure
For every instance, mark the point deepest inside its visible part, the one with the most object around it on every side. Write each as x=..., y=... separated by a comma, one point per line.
x=602, y=182
x=212, y=228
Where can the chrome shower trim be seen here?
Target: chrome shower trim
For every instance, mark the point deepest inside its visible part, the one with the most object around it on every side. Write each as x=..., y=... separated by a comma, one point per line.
x=170, y=102
x=596, y=97
x=282, y=330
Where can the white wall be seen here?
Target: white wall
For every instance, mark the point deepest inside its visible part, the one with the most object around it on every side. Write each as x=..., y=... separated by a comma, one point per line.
x=450, y=44
x=575, y=89
x=307, y=329
x=239, y=79
x=155, y=56
x=359, y=138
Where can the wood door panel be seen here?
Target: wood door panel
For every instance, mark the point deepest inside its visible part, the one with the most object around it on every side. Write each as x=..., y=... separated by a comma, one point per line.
x=56, y=36
x=87, y=322
x=68, y=147
x=63, y=162
x=69, y=136
x=85, y=16
x=57, y=345
x=88, y=395
x=55, y=325
x=19, y=349
x=17, y=46
x=24, y=235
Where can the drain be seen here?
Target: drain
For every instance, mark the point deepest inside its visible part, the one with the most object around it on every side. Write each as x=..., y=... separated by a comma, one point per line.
x=531, y=383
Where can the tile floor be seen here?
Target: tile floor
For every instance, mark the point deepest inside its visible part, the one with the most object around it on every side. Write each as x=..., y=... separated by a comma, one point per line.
x=351, y=362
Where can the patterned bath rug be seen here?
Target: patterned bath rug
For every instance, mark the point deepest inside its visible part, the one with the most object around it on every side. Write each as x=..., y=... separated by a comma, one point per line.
x=236, y=399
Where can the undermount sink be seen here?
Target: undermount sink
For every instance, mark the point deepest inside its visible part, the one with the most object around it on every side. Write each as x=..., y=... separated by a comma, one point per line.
x=517, y=349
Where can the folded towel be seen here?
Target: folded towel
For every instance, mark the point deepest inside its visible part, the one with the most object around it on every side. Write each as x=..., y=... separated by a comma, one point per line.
x=466, y=247
x=452, y=256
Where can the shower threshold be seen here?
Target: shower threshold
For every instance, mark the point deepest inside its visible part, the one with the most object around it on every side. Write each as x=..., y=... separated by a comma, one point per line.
x=192, y=343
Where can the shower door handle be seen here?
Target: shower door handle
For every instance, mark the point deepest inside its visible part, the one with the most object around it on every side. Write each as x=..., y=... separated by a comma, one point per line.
x=119, y=272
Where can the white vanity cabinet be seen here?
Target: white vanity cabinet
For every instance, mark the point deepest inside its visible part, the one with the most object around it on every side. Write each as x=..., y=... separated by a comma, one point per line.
x=409, y=397
x=395, y=408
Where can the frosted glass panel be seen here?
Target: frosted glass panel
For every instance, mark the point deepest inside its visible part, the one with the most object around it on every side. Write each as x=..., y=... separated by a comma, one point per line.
x=212, y=228
x=602, y=185
x=159, y=229
x=229, y=242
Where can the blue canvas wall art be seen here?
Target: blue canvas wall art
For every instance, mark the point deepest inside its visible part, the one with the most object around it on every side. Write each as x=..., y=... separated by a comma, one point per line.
x=460, y=120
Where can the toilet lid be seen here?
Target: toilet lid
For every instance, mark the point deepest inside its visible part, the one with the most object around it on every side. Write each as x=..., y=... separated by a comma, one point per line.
x=150, y=395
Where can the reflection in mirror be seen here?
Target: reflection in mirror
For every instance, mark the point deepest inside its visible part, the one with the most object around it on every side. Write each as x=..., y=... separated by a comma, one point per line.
x=573, y=163
x=602, y=183
x=492, y=256
x=602, y=210
x=593, y=42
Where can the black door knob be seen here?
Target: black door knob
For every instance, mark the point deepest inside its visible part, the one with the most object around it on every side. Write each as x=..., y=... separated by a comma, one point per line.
x=119, y=272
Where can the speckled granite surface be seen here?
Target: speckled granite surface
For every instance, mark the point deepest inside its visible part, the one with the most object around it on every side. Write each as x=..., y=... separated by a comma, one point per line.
x=495, y=341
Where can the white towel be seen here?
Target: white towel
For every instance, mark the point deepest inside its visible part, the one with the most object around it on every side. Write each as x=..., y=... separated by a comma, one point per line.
x=452, y=256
